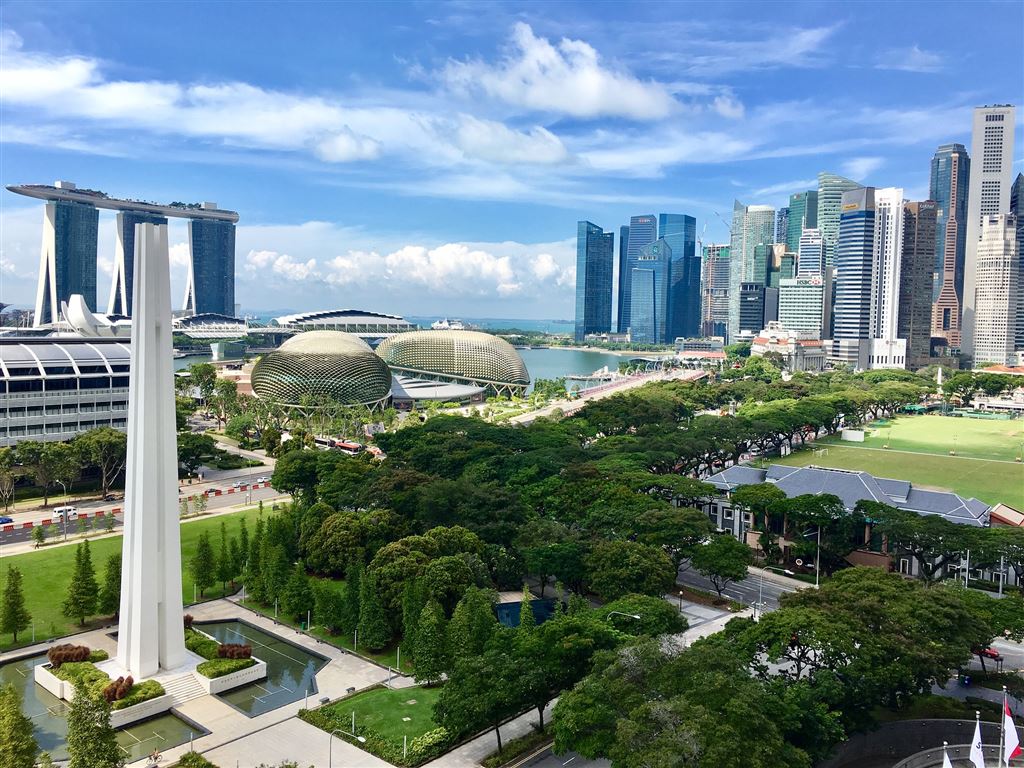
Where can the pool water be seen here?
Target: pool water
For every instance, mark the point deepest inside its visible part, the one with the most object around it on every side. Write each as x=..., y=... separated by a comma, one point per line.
x=49, y=717
x=291, y=671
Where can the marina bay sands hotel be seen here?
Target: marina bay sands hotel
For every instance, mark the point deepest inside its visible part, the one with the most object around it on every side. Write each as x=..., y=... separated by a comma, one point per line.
x=67, y=260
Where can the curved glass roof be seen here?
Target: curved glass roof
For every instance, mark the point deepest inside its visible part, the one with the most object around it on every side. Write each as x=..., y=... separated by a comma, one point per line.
x=30, y=353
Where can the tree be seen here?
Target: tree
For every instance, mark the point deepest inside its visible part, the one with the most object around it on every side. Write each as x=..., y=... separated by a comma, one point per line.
x=110, y=592
x=9, y=472
x=350, y=608
x=527, y=621
x=431, y=652
x=618, y=568
x=840, y=532
x=762, y=500
x=723, y=560
x=446, y=579
x=297, y=596
x=328, y=606
x=203, y=565
x=14, y=617
x=92, y=743
x=39, y=535
x=83, y=592
x=192, y=449
x=374, y=631
x=107, y=450
x=677, y=530
x=204, y=378
x=483, y=690
x=225, y=562
x=413, y=600
x=473, y=624
x=932, y=541
x=18, y=746
x=657, y=615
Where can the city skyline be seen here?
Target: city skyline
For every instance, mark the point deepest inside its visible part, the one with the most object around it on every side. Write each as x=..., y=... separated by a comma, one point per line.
x=442, y=172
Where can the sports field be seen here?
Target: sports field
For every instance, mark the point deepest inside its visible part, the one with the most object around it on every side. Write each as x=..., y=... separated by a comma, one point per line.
x=919, y=446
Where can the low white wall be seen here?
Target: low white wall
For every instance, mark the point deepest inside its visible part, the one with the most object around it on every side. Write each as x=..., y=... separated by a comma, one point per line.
x=257, y=671
x=122, y=717
x=62, y=689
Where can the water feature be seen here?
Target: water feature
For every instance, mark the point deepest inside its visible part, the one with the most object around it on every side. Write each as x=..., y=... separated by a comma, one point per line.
x=49, y=718
x=291, y=671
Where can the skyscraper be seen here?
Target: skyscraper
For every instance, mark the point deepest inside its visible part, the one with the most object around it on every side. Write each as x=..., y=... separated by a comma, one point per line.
x=781, y=225
x=803, y=214
x=811, y=255
x=715, y=290
x=916, y=275
x=752, y=225
x=752, y=301
x=595, y=259
x=210, y=282
x=680, y=232
x=120, y=302
x=989, y=194
x=830, y=195
x=643, y=230
x=651, y=294
x=1017, y=209
x=854, y=271
x=951, y=168
x=67, y=259
x=998, y=275
x=621, y=320
x=805, y=304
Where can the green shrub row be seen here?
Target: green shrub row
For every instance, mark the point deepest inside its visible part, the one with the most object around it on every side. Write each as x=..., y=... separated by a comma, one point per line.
x=81, y=673
x=140, y=692
x=220, y=667
x=200, y=644
x=85, y=673
x=425, y=747
x=98, y=655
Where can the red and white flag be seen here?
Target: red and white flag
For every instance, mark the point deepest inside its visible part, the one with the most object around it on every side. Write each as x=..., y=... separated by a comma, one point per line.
x=1011, y=742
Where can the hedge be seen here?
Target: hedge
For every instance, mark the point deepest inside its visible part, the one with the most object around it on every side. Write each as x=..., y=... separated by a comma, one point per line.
x=85, y=673
x=200, y=644
x=220, y=667
x=140, y=692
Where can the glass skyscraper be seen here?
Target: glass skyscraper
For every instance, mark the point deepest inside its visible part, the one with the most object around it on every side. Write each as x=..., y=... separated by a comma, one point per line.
x=781, y=225
x=595, y=259
x=643, y=230
x=854, y=273
x=211, y=280
x=950, y=174
x=715, y=290
x=803, y=214
x=752, y=225
x=680, y=232
x=68, y=257
x=124, y=260
x=830, y=198
x=650, y=294
x=918, y=258
x=621, y=321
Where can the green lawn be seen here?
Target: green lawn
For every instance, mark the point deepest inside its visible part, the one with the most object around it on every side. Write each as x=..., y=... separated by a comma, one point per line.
x=919, y=451
x=384, y=711
x=47, y=572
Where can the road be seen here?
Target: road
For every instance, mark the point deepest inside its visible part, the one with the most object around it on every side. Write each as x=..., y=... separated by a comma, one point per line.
x=570, y=760
x=744, y=592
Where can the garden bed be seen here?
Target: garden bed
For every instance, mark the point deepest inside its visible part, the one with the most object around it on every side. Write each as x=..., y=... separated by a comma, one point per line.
x=217, y=674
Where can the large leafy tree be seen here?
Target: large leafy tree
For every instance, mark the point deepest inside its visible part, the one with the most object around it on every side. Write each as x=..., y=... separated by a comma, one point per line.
x=18, y=747
x=841, y=532
x=763, y=500
x=193, y=449
x=9, y=473
x=933, y=541
x=618, y=568
x=92, y=743
x=473, y=623
x=14, y=616
x=723, y=560
x=677, y=530
x=107, y=450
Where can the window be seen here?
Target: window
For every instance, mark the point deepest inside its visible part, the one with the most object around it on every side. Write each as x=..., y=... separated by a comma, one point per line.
x=727, y=514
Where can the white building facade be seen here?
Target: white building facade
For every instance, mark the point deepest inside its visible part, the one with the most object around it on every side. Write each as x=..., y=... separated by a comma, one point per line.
x=805, y=304
x=997, y=277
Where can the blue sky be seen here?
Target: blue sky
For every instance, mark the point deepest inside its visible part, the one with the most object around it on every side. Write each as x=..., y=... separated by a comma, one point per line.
x=433, y=158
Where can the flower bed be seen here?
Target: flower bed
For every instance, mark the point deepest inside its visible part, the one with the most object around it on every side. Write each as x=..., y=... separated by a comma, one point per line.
x=220, y=667
x=200, y=644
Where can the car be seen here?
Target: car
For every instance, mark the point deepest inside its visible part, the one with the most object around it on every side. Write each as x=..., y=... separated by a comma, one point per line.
x=66, y=513
x=991, y=653
x=262, y=479
x=237, y=484
x=4, y=519
x=110, y=497
x=212, y=491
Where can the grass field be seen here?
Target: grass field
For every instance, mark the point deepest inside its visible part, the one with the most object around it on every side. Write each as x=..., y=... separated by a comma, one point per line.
x=47, y=572
x=384, y=710
x=919, y=447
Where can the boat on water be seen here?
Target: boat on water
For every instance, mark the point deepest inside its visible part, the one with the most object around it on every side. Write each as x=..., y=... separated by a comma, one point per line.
x=446, y=325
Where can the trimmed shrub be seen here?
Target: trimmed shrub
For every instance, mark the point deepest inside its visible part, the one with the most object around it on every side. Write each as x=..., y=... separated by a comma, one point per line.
x=188, y=621
x=200, y=644
x=144, y=691
x=234, y=651
x=220, y=667
x=66, y=652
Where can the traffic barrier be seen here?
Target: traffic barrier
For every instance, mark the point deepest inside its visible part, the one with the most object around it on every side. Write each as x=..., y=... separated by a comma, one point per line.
x=29, y=524
x=10, y=527
x=45, y=522
x=115, y=511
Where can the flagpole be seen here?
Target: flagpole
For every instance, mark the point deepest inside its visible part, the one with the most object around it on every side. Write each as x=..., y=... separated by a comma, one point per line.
x=1002, y=731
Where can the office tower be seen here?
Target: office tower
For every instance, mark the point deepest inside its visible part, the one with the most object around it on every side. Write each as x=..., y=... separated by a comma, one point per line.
x=651, y=294
x=854, y=271
x=620, y=324
x=998, y=275
x=787, y=267
x=752, y=296
x=776, y=264
x=762, y=263
x=803, y=214
x=811, y=254
x=210, y=282
x=1017, y=209
x=988, y=195
x=830, y=196
x=920, y=227
x=888, y=348
x=752, y=225
x=67, y=259
x=771, y=306
x=120, y=302
x=781, y=225
x=595, y=259
x=715, y=290
x=643, y=230
x=680, y=232
x=951, y=169
x=805, y=304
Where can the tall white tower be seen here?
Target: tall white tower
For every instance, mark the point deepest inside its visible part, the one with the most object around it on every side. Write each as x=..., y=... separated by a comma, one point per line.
x=998, y=289
x=151, y=636
x=988, y=195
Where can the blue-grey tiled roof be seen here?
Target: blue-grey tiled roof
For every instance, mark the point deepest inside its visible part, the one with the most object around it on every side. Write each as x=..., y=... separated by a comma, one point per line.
x=852, y=486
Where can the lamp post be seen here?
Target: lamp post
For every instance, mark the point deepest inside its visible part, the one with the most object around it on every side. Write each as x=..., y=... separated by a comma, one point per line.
x=680, y=601
x=330, y=743
x=759, y=607
x=64, y=512
x=627, y=615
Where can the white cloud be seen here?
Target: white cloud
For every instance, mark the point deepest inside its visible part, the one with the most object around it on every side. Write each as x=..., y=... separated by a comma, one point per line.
x=259, y=263
x=786, y=187
x=496, y=142
x=565, y=78
x=345, y=146
x=859, y=168
x=911, y=59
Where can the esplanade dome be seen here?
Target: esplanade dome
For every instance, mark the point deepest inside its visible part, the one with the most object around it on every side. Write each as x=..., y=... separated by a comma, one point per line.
x=322, y=365
x=456, y=355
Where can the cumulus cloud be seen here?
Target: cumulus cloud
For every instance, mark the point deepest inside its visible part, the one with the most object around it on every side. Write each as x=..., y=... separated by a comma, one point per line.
x=859, y=168
x=496, y=142
x=566, y=78
x=345, y=146
x=912, y=59
x=266, y=264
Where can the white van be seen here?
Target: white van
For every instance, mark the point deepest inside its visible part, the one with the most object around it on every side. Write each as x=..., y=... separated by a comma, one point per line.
x=70, y=513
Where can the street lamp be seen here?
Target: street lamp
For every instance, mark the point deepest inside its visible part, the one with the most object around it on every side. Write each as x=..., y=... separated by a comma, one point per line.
x=817, y=558
x=330, y=743
x=680, y=601
x=627, y=615
x=759, y=607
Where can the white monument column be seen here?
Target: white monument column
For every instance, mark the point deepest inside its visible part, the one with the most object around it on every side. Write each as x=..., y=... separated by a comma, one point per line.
x=151, y=635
